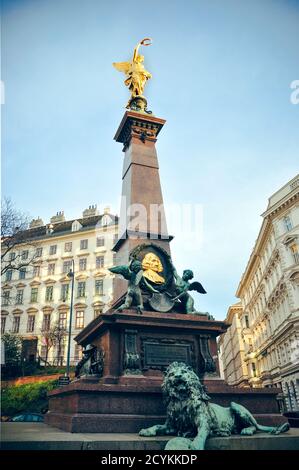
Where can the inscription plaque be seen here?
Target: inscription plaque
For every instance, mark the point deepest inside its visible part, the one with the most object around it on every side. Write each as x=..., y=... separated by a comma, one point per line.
x=162, y=354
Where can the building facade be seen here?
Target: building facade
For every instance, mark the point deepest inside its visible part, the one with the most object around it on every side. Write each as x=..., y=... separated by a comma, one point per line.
x=232, y=349
x=269, y=295
x=37, y=298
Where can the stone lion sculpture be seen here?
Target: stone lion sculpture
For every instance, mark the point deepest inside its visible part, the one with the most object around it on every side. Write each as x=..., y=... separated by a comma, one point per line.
x=191, y=416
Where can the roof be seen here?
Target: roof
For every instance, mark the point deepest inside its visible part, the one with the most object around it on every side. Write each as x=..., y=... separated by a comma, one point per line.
x=61, y=228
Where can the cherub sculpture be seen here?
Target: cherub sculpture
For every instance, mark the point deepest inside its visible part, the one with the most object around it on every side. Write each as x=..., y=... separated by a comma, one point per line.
x=182, y=286
x=191, y=416
x=134, y=274
x=136, y=75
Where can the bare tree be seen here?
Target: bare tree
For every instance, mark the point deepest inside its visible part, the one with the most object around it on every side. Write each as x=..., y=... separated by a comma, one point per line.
x=59, y=334
x=14, y=234
x=54, y=336
x=47, y=342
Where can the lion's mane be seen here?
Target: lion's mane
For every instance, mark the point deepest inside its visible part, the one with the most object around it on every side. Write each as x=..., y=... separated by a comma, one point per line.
x=185, y=398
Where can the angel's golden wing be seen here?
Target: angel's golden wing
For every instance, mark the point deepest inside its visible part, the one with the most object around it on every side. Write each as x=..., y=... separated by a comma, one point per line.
x=122, y=66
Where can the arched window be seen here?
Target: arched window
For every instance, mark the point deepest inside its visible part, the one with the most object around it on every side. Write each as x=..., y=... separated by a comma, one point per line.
x=288, y=398
x=294, y=395
x=287, y=223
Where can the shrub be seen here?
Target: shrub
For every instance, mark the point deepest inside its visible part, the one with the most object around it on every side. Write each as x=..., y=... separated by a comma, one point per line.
x=28, y=397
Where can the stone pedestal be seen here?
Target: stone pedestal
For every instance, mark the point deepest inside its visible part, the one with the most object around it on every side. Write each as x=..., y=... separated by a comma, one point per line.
x=137, y=349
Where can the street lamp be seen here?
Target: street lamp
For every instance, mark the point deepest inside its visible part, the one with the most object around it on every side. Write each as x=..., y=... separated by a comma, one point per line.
x=71, y=275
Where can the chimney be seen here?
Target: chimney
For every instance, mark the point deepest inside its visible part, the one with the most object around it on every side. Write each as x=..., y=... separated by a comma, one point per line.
x=36, y=223
x=107, y=210
x=58, y=218
x=90, y=212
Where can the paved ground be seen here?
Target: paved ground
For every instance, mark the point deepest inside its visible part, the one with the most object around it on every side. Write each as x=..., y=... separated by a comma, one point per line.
x=39, y=436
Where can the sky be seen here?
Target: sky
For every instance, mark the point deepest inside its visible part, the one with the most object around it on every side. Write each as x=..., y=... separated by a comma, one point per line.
x=222, y=74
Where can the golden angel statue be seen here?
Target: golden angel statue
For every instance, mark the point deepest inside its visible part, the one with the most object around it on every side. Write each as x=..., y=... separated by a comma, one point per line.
x=136, y=74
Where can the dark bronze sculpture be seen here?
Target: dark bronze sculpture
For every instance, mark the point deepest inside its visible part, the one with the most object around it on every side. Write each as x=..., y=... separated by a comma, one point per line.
x=92, y=362
x=182, y=286
x=134, y=274
x=191, y=415
x=153, y=278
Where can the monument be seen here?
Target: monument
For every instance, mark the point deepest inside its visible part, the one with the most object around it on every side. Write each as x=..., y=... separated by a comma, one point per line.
x=152, y=322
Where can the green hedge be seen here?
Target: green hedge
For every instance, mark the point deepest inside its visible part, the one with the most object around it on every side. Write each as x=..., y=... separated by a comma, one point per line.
x=28, y=397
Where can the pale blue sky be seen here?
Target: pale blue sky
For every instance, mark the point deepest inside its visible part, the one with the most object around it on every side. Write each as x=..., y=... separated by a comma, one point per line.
x=221, y=77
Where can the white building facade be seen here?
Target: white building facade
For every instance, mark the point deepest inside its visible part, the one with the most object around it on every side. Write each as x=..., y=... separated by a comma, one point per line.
x=38, y=297
x=269, y=294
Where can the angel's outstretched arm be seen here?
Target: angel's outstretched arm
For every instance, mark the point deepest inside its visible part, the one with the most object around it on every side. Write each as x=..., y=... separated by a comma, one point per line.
x=135, y=53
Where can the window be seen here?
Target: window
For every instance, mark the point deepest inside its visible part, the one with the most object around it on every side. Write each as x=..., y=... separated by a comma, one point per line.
x=253, y=369
x=30, y=323
x=76, y=226
x=82, y=264
x=65, y=288
x=78, y=352
x=51, y=269
x=81, y=289
x=246, y=321
x=8, y=275
x=114, y=259
x=19, y=296
x=43, y=352
x=99, y=287
x=6, y=297
x=22, y=273
x=16, y=324
x=39, y=252
x=287, y=223
x=36, y=271
x=83, y=244
x=100, y=241
x=99, y=262
x=34, y=293
x=105, y=220
x=24, y=254
x=67, y=266
x=60, y=350
x=46, y=322
x=79, y=319
x=294, y=250
x=97, y=312
x=62, y=319
x=49, y=293
x=3, y=322
x=53, y=249
x=68, y=247
x=12, y=256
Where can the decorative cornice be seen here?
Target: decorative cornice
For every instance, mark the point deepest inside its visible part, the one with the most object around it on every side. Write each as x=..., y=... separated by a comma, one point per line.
x=134, y=124
x=79, y=305
x=47, y=309
x=20, y=285
x=7, y=286
x=32, y=310
x=63, y=307
x=282, y=205
x=50, y=281
x=34, y=283
x=17, y=311
x=81, y=277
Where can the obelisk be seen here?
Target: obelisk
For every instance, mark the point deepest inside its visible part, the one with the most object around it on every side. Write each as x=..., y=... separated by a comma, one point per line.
x=142, y=215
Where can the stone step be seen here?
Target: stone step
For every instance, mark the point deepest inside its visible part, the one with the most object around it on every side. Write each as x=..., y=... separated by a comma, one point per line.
x=39, y=436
